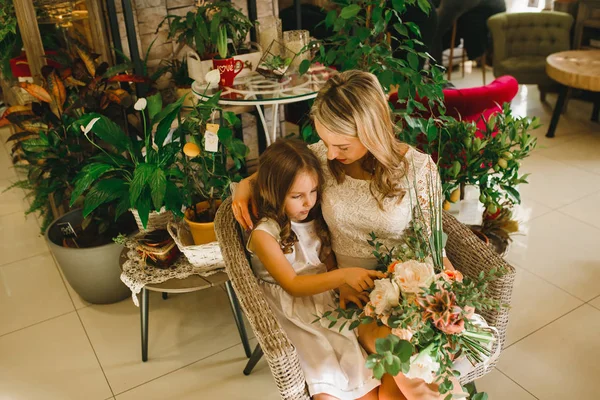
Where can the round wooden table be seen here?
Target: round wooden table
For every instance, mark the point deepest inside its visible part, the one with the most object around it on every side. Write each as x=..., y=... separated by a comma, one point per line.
x=190, y=284
x=579, y=69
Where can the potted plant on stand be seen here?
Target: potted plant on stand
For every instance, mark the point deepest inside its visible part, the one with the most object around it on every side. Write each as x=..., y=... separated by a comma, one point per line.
x=214, y=160
x=145, y=178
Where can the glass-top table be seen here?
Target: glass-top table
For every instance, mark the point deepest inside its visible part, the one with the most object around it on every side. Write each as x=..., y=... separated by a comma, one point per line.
x=254, y=89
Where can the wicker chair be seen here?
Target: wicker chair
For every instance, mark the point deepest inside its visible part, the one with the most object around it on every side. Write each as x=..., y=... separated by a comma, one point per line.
x=464, y=249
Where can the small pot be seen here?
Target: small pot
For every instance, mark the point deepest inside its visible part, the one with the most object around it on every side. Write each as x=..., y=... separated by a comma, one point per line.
x=202, y=232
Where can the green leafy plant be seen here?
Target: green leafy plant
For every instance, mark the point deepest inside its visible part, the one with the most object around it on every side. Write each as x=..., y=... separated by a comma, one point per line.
x=490, y=159
x=137, y=173
x=200, y=29
x=10, y=39
x=50, y=148
x=209, y=174
x=361, y=40
x=179, y=73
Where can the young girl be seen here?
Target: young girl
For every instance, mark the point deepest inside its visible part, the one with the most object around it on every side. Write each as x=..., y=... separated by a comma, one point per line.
x=296, y=269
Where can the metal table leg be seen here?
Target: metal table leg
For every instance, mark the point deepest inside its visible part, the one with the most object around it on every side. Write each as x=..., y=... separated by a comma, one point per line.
x=144, y=320
x=270, y=135
x=562, y=95
x=239, y=320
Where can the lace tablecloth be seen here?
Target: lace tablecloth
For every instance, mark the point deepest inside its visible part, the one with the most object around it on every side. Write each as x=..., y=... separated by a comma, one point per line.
x=136, y=273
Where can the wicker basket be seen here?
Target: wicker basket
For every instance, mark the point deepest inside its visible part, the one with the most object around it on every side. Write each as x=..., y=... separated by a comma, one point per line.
x=206, y=256
x=156, y=220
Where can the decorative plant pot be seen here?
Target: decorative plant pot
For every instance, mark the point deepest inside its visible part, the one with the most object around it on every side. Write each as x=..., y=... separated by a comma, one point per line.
x=93, y=272
x=202, y=232
x=156, y=220
x=482, y=236
x=276, y=62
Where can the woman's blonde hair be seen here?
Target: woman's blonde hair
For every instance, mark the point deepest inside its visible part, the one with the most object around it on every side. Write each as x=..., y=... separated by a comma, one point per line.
x=278, y=168
x=353, y=103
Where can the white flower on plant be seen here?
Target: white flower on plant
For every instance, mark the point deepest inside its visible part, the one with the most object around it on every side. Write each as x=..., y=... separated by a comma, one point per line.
x=413, y=275
x=384, y=296
x=423, y=366
x=141, y=104
x=213, y=77
x=89, y=126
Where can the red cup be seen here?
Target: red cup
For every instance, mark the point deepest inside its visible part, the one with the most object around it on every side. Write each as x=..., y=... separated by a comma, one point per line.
x=228, y=69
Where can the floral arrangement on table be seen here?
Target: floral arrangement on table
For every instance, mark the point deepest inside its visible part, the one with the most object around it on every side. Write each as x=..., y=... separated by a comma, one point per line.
x=430, y=310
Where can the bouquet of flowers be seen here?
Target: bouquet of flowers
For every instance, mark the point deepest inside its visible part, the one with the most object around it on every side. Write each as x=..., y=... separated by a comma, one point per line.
x=430, y=310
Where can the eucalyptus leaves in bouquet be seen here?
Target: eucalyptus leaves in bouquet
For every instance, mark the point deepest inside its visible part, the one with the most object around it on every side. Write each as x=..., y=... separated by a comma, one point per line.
x=138, y=173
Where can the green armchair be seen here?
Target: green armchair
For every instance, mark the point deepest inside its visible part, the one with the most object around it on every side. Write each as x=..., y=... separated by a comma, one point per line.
x=522, y=41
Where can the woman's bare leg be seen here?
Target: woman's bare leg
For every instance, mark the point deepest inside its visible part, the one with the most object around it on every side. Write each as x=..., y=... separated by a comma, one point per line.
x=389, y=389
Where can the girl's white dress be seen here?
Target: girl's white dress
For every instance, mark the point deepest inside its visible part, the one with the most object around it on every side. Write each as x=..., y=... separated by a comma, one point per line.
x=333, y=362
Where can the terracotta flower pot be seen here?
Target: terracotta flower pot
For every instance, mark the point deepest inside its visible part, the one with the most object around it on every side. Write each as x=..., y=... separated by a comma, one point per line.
x=202, y=232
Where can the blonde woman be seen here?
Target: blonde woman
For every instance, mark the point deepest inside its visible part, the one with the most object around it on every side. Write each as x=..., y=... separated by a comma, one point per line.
x=368, y=187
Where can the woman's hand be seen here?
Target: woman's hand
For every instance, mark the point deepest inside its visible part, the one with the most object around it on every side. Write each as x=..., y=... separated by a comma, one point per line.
x=347, y=295
x=241, y=198
x=360, y=279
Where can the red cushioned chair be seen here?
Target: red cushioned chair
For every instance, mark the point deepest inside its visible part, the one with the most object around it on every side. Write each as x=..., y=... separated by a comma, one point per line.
x=472, y=103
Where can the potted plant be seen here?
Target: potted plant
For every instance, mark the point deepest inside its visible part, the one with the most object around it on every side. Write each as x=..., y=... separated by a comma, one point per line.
x=181, y=80
x=140, y=173
x=275, y=64
x=200, y=29
x=211, y=165
x=52, y=149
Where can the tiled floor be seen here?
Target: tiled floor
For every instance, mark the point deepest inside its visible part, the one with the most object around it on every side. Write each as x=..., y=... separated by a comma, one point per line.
x=54, y=345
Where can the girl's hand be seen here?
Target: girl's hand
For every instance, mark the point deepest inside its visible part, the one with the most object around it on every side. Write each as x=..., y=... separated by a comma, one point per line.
x=241, y=198
x=360, y=279
x=347, y=294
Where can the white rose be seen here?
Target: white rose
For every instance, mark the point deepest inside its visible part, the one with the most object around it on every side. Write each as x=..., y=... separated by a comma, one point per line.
x=423, y=366
x=384, y=296
x=413, y=275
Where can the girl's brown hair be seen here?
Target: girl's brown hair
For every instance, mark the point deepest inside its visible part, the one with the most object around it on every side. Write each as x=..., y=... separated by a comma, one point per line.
x=353, y=103
x=278, y=167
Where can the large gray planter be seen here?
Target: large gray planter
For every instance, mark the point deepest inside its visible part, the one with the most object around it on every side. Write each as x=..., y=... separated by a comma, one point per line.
x=93, y=272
